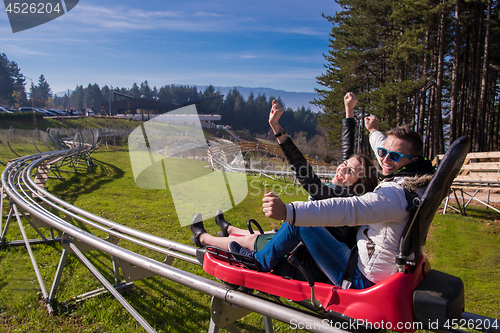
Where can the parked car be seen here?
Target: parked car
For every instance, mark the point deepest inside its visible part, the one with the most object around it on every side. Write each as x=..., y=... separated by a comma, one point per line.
x=42, y=111
x=58, y=112
x=48, y=113
x=62, y=112
x=26, y=109
x=4, y=110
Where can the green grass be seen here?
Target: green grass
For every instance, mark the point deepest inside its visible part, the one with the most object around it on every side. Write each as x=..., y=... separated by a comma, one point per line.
x=467, y=247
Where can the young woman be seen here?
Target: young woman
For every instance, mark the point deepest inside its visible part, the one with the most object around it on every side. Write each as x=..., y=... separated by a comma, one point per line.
x=355, y=176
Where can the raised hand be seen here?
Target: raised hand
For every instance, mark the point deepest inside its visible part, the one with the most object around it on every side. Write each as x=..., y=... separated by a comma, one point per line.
x=371, y=123
x=275, y=114
x=350, y=101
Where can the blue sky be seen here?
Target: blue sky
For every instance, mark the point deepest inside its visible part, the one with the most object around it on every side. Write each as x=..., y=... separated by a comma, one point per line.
x=274, y=44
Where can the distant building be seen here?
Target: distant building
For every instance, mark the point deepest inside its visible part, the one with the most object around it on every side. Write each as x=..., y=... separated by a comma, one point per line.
x=206, y=120
x=145, y=109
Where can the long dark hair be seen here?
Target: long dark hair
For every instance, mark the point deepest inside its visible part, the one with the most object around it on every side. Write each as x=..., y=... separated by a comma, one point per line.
x=368, y=179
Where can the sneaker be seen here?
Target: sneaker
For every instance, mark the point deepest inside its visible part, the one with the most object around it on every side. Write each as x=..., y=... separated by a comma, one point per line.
x=238, y=249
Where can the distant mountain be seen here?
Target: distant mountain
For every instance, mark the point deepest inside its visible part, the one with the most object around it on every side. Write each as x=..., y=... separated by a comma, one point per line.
x=292, y=100
x=62, y=93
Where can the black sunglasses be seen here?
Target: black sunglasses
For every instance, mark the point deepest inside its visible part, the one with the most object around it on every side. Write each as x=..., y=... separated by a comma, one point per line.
x=393, y=155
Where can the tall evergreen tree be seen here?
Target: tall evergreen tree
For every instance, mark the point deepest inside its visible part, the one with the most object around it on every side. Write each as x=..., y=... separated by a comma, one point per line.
x=42, y=92
x=135, y=91
x=78, y=98
x=145, y=90
x=11, y=81
x=93, y=97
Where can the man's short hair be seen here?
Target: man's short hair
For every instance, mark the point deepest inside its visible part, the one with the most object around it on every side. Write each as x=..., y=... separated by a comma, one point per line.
x=404, y=132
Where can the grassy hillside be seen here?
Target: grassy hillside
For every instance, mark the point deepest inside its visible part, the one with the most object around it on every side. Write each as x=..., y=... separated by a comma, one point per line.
x=82, y=122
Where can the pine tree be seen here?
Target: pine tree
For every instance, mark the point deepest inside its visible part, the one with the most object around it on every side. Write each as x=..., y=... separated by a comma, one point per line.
x=42, y=91
x=11, y=82
x=145, y=90
x=135, y=91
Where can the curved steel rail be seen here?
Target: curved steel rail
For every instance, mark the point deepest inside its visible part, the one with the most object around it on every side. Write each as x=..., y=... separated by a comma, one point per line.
x=26, y=196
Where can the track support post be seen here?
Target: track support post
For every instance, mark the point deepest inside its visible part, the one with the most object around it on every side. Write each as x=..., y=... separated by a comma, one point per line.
x=224, y=314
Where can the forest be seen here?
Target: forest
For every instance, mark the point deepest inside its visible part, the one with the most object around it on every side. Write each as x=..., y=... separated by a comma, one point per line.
x=246, y=114
x=432, y=64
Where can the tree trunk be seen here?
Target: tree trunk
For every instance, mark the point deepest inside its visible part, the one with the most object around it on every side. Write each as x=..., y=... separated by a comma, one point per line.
x=423, y=91
x=464, y=109
x=438, y=114
x=493, y=116
x=482, y=105
x=433, y=124
x=430, y=132
x=475, y=77
x=455, y=75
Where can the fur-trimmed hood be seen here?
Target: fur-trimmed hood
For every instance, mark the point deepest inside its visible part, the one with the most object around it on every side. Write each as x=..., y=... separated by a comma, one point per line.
x=412, y=184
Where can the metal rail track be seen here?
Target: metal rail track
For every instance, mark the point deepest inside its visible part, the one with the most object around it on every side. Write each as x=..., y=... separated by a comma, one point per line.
x=31, y=203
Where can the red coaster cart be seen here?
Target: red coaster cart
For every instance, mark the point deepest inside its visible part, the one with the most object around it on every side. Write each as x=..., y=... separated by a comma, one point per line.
x=416, y=297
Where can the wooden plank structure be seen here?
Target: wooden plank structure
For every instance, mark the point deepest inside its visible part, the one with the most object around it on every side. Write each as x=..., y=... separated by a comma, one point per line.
x=480, y=172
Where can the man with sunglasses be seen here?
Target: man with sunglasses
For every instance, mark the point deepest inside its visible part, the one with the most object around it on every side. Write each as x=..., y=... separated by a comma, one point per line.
x=400, y=153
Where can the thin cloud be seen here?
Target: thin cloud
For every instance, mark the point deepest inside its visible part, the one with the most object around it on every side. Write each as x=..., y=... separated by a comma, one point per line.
x=303, y=31
x=123, y=19
x=302, y=74
x=248, y=56
x=20, y=51
x=205, y=14
x=140, y=13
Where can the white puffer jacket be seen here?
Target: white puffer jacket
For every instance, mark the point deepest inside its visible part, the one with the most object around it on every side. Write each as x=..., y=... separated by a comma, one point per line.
x=381, y=215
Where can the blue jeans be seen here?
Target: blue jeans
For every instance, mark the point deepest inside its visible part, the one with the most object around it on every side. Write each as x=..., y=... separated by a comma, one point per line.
x=330, y=255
